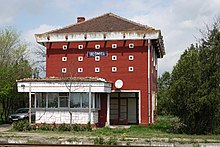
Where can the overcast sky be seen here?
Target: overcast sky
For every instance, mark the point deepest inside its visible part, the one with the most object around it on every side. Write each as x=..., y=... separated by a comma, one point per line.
x=179, y=20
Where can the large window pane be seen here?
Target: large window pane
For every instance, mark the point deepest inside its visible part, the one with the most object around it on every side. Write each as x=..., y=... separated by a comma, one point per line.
x=53, y=100
x=75, y=100
x=41, y=100
x=85, y=102
x=63, y=101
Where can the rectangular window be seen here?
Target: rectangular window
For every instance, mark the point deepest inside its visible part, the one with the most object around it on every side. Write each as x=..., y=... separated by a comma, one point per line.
x=131, y=45
x=79, y=100
x=80, y=58
x=80, y=47
x=64, y=59
x=97, y=58
x=53, y=100
x=63, y=97
x=114, y=69
x=130, y=68
x=131, y=58
x=80, y=69
x=41, y=100
x=114, y=45
x=114, y=58
x=97, y=46
x=63, y=70
x=97, y=69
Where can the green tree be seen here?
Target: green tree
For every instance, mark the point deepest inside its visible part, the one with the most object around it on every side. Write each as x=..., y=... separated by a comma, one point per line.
x=13, y=66
x=163, y=100
x=195, y=85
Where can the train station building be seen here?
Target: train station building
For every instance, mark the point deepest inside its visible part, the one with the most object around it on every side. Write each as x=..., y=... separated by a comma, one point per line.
x=101, y=70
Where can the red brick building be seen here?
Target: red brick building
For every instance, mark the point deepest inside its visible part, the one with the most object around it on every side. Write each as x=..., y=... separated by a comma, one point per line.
x=121, y=52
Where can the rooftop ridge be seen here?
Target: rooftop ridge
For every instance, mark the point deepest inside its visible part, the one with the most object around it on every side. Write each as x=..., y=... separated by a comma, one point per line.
x=106, y=14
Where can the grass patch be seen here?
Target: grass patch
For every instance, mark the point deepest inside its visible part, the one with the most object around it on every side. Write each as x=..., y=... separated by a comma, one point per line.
x=159, y=130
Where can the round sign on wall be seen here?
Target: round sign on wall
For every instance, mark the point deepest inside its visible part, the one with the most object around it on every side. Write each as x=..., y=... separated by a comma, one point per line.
x=118, y=84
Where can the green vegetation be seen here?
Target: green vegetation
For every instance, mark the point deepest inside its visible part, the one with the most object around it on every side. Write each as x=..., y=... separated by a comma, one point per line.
x=23, y=125
x=13, y=66
x=191, y=92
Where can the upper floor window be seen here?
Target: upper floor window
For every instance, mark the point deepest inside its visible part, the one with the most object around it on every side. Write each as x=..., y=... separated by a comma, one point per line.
x=114, y=45
x=97, y=58
x=80, y=58
x=131, y=57
x=114, y=58
x=64, y=59
x=80, y=47
x=131, y=45
x=97, y=46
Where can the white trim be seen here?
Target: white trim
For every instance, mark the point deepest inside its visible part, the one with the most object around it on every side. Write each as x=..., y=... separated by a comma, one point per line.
x=130, y=57
x=130, y=68
x=80, y=69
x=80, y=58
x=63, y=70
x=108, y=110
x=98, y=86
x=131, y=45
x=114, y=69
x=64, y=47
x=97, y=69
x=139, y=100
x=114, y=58
x=64, y=59
x=96, y=36
x=97, y=58
x=114, y=46
x=97, y=46
x=80, y=47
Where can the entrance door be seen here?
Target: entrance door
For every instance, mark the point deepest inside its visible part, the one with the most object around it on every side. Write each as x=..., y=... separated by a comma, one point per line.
x=123, y=113
x=123, y=108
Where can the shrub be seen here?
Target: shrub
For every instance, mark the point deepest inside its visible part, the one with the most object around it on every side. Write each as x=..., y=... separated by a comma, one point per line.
x=76, y=127
x=64, y=127
x=23, y=125
x=176, y=126
x=46, y=127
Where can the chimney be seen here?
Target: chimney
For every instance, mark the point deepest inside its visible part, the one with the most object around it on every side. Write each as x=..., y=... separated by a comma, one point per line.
x=80, y=19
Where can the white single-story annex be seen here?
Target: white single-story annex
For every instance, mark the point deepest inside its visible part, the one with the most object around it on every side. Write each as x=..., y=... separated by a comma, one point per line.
x=67, y=100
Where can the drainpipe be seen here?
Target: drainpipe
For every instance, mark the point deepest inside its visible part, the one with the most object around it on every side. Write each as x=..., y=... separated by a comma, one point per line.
x=29, y=115
x=90, y=95
x=149, y=77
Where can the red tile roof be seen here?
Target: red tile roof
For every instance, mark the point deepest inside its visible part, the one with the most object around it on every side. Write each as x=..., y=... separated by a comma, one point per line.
x=105, y=23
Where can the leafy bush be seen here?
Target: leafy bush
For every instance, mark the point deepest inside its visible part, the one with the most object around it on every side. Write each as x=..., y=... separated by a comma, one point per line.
x=64, y=127
x=46, y=127
x=176, y=126
x=76, y=127
x=23, y=125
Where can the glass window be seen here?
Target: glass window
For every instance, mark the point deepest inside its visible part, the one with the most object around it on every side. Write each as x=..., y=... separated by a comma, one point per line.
x=75, y=100
x=53, y=100
x=63, y=99
x=85, y=102
x=41, y=100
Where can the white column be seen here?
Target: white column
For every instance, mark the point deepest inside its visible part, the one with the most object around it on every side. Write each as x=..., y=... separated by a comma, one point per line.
x=108, y=110
x=90, y=95
x=30, y=102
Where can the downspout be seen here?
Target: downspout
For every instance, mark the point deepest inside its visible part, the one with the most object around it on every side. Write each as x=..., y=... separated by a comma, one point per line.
x=29, y=115
x=149, y=77
x=90, y=98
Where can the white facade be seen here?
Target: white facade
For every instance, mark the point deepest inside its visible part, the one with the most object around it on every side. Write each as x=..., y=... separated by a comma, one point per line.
x=63, y=116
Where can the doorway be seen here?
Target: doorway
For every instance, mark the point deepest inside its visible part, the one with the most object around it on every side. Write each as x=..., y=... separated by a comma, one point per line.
x=124, y=108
